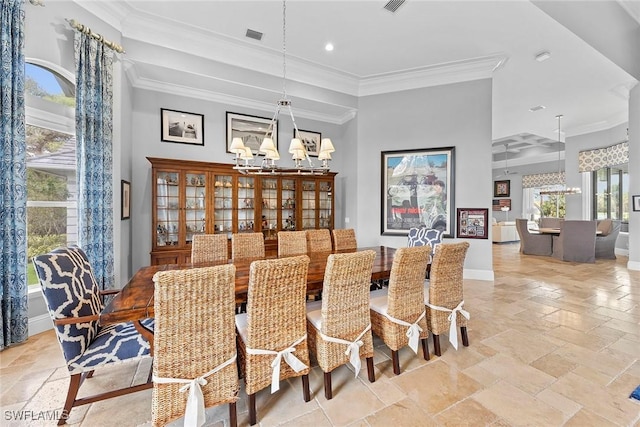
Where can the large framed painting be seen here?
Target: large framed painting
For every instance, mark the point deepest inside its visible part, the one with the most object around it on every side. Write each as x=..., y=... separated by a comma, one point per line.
x=251, y=129
x=418, y=190
x=181, y=127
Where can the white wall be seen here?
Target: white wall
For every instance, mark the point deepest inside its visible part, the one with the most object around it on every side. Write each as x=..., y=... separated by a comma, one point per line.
x=456, y=115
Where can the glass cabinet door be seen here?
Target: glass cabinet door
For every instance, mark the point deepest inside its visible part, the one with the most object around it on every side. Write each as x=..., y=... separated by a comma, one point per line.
x=167, y=208
x=288, y=204
x=246, y=204
x=308, y=205
x=269, y=219
x=223, y=204
x=325, y=199
x=195, y=203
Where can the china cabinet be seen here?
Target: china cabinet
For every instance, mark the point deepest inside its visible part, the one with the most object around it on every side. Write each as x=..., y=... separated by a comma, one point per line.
x=191, y=197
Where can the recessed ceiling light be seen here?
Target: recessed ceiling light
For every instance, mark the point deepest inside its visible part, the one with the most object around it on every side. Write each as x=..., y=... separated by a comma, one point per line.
x=537, y=108
x=328, y=47
x=543, y=56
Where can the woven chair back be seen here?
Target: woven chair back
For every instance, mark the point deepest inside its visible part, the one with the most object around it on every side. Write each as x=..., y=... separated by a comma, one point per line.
x=406, y=282
x=247, y=245
x=318, y=240
x=445, y=286
x=344, y=238
x=194, y=333
x=292, y=243
x=209, y=248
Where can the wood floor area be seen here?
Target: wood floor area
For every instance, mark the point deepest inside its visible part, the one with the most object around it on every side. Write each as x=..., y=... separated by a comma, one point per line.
x=551, y=344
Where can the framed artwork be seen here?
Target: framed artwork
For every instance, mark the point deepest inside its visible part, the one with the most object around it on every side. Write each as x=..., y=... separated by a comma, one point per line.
x=636, y=203
x=181, y=127
x=473, y=223
x=310, y=140
x=125, y=199
x=417, y=190
x=502, y=188
x=251, y=129
x=499, y=204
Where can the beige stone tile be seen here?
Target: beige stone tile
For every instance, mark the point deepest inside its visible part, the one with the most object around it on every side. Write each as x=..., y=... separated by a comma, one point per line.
x=615, y=408
x=517, y=373
x=315, y=418
x=621, y=325
x=286, y=404
x=624, y=385
x=617, y=314
x=586, y=418
x=466, y=413
x=131, y=409
x=385, y=389
x=518, y=407
x=481, y=375
x=406, y=413
x=567, y=406
x=525, y=347
x=582, y=339
x=437, y=386
x=599, y=361
x=580, y=322
x=554, y=364
x=592, y=375
x=462, y=358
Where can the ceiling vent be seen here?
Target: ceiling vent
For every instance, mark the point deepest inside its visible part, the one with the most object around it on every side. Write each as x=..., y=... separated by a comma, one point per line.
x=393, y=5
x=253, y=34
x=537, y=108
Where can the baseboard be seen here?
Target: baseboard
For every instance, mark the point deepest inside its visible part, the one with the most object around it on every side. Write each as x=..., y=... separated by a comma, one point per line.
x=478, y=274
x=38, y=324
x=622, y=252
x=633, y=265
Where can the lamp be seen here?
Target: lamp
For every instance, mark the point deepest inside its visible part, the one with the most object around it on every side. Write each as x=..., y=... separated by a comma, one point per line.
x=296, y=148
x=563, y=189
x=237, y=147
x=505, y=209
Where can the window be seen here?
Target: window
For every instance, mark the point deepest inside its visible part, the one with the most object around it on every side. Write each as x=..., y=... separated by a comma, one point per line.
x=611, y=193
x=51, y=162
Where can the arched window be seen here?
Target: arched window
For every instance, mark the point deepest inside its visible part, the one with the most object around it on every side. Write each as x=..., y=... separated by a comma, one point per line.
x=51, y=160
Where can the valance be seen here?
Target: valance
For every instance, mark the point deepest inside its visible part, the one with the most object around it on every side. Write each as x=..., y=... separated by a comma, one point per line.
x=542, y=179
x=591, y=160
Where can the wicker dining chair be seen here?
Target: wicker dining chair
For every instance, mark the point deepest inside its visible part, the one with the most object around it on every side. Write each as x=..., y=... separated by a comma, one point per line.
x=273, y=330
x=209, y=248
x=194, y=340
x=339, y=326
x=247, y=245
x=398, y=312
x=319, y=240
x=75, y=302
x=292, y=243
x=444, y=296
x=344, y=238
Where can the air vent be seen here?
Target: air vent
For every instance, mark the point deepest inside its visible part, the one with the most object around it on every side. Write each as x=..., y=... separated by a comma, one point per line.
x=253, y=34
x=393, y=5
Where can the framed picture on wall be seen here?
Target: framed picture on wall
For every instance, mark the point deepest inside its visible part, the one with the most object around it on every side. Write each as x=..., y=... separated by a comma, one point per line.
x=501, y=205
x=502, y=188
x=417, y=190
x=310, y=140
x=125, y=199
x=251, y=129
x=181, y=127
x=636, y=203
x=473, y=223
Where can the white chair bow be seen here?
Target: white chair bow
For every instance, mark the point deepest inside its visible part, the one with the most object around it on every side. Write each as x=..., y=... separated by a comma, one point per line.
x=453, y=317
x=413, y=330
x=353, y=348
x=194, y=411
x=289, y=357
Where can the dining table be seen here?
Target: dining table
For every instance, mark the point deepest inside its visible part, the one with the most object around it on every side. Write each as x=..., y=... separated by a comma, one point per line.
x=134, y=302
x=555, y=231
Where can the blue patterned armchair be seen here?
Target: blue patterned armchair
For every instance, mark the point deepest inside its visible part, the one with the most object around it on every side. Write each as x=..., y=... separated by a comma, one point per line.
x=75, y=302
x=425, y=236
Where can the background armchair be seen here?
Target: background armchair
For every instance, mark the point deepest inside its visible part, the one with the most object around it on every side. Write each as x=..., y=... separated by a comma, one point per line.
x=576, y=242
x=606, y=242
x=532, y=244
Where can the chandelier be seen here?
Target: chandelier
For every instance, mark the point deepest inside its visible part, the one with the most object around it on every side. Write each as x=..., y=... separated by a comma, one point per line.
x=302, y=161
x=562, y=188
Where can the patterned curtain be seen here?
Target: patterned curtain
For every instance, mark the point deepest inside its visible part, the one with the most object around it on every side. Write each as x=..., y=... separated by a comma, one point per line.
x=542, y=179
x=592, y=160
x=94, y=100
x=13, y=171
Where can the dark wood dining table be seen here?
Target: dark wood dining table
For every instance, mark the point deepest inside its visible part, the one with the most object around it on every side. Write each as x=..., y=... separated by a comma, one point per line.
x=134, y=302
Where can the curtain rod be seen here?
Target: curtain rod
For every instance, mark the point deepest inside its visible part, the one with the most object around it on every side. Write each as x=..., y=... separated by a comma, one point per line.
x=86, y=30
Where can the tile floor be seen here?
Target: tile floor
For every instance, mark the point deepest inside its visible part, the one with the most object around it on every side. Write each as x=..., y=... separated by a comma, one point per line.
x=552, y=343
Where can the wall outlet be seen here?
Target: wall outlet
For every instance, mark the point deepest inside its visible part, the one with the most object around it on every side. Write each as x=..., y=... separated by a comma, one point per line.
x=346, y=220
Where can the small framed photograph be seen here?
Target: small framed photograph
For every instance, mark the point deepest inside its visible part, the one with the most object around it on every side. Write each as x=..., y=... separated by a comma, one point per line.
x=636, y=203
x=181, y=127
x=251, y=129
x=501, y=205
x=473, y=223
x=502, y=188
x=310, y=140
x=125, y=197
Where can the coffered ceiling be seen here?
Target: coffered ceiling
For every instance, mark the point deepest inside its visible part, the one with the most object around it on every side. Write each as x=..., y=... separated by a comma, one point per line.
x=200, y=49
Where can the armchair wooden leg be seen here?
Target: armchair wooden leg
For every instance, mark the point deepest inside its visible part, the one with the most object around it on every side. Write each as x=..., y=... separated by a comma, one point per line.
x=370, y=371
x=305, y=388
x=425, y=348
x=328, y=394
x=436, y=345
x=233, y=415
x=74, y=386
x=89, y=374
x=252, y=409
x=465, y=337
x=395, y=362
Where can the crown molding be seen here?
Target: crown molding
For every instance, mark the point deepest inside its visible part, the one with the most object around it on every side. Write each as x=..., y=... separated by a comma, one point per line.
x=113, y=13
x=608, y=123
x=528, y=160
